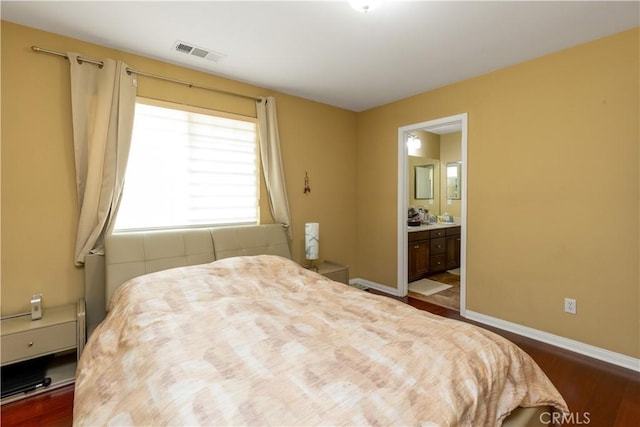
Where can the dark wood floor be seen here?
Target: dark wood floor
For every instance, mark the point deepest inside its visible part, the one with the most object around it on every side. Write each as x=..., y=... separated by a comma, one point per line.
x=598, y=394
x=54, y=408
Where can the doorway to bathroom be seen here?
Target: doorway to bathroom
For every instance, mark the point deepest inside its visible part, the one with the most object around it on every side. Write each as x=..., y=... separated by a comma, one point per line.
x=432, y=208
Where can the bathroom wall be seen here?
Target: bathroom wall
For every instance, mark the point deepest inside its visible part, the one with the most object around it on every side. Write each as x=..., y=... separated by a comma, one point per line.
x=450, y=151
x=432, y=205
x=428, y=153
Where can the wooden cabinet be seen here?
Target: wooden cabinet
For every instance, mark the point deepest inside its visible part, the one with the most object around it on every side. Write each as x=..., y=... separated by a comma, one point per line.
x=57, y=339
x=453, y=247
x=433, y=251
x=419, y=248
x=437, y=257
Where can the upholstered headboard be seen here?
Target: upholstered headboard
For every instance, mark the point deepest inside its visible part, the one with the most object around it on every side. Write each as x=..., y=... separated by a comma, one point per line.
x=128, y=255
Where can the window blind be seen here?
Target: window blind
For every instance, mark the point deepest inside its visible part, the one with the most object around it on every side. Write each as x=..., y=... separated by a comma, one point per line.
x=189, y=168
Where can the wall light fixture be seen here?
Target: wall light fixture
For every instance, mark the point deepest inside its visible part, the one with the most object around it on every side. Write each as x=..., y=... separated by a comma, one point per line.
x=413, y=142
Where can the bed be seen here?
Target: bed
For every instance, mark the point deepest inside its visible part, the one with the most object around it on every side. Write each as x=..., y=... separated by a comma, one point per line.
x=255, y=339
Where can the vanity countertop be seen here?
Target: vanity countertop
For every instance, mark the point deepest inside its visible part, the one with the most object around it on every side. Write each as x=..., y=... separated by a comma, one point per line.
x=433, y=226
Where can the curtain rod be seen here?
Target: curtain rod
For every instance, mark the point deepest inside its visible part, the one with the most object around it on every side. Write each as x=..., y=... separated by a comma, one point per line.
x=142, y=73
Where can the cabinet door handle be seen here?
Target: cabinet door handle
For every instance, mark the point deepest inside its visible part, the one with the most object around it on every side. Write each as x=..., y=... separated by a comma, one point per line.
x=30, y=344
x=416, y=247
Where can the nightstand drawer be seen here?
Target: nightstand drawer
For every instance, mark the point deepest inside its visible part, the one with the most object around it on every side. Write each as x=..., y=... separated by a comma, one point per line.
x=37, y=342
x=334, y=271
x=338, y=276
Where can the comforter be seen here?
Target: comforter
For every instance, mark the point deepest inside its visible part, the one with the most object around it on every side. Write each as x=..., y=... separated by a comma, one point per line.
x=262, y=341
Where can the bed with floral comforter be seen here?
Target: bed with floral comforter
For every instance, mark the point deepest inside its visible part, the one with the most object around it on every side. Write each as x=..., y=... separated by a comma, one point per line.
x=262, y=341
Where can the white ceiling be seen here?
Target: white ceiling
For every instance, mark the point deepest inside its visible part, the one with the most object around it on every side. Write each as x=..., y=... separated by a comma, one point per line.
x=326, y=51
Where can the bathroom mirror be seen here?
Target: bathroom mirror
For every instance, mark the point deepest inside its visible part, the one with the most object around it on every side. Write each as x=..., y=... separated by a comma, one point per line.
x=453, y=180
x=424, y=166
x=424, y=182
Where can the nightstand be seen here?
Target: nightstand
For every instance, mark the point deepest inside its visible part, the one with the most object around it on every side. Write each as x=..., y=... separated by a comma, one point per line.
x=57, y=339
x=334, y=271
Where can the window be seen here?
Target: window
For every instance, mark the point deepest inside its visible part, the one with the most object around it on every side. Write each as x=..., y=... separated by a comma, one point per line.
x=189, y=167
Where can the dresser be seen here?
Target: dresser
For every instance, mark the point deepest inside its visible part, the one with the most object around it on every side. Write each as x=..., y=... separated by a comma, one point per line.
x=55, y=342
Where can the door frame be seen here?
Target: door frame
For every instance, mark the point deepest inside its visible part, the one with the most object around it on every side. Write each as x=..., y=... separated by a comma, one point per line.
x=403, y=185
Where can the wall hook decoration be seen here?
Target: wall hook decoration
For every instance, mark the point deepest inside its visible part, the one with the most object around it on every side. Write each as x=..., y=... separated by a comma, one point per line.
x=307, y=188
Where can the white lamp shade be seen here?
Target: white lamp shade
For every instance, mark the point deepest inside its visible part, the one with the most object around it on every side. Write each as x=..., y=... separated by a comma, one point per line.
x=311, y=240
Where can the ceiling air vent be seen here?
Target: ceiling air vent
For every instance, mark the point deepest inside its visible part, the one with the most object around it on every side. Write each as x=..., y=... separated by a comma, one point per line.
x=184, y=48
x=200, y=52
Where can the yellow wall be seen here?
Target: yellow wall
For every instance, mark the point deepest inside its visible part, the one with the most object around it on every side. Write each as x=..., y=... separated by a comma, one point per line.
x=553, y=190
x=553, y=185
x=450, y=151
x=39, y=204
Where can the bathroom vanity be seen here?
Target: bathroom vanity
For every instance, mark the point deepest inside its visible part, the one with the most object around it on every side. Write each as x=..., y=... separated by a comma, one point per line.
x=433, y=249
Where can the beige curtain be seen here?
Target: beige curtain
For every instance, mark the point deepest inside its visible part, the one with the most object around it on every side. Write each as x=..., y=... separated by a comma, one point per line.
x=103, y=104
x=272, y=161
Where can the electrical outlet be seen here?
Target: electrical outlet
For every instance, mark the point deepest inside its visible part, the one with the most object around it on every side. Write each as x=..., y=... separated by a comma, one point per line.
x=570, y=306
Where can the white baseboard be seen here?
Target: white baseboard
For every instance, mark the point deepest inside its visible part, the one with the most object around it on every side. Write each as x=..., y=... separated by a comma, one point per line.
x=558, y=341
x=545, y=337
x=377, y=286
